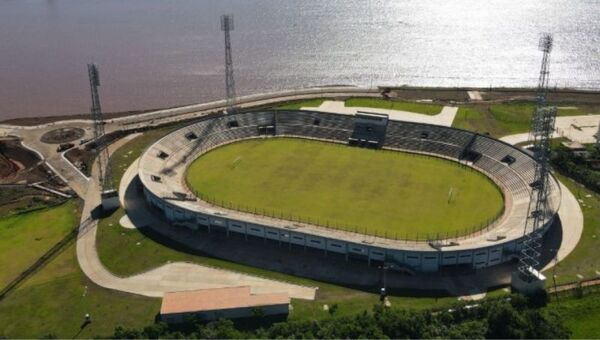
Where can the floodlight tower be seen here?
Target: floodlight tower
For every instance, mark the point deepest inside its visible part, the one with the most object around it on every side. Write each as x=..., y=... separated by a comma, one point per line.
x=527, y=279
x=108, y=194
x=545, y=45
x=227, y=27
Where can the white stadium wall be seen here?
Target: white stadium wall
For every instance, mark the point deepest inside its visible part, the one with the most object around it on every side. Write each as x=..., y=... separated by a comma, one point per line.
x=491, y=247
x=420, y=261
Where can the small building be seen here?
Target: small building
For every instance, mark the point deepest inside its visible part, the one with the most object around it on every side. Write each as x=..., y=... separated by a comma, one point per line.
x=216, y=303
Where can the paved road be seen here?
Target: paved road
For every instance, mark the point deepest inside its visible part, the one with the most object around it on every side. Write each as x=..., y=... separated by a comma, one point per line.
x=55, y=160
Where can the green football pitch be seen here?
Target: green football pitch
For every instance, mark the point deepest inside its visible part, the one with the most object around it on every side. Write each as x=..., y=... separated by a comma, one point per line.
x=378, y=192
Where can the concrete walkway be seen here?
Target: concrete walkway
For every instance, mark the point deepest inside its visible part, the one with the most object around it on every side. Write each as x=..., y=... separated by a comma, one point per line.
x=580, y=129
x=56, y=160
x=516, y=139
x=570, y=213
x=169, y=277
x=571, y=218
x=445, y=117
x=474, y=96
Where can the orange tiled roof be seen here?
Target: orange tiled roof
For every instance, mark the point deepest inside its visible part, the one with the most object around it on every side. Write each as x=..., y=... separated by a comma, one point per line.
x=218, y=299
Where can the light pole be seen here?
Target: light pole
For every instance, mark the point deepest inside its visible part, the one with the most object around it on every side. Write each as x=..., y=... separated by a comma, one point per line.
x=383, y=291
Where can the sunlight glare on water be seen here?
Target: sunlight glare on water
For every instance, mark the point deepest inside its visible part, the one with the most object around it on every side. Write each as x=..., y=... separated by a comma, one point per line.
x=165, y=53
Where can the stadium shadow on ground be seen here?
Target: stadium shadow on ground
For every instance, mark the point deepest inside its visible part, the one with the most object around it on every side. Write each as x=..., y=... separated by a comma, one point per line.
x=327, y=267
x=333, y=268
x=269, y=255
x=314, y=264
x=551, y=242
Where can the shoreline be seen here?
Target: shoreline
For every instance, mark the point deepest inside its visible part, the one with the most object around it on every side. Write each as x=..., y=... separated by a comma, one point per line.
x=436, y=94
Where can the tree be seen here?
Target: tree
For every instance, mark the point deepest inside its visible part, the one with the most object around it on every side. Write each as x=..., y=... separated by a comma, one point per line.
x=504, y=322
x=467, y=330
x=155, y=331
x=333, y=309
x=221, y=329
x=125, y=333
x=544, y=325
x=517, y=317
x=400, y=323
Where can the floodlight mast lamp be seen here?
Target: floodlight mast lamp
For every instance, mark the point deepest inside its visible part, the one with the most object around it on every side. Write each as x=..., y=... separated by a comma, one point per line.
x=104, y=172
x=545, y=45
x=227, y=26
x=539, y=211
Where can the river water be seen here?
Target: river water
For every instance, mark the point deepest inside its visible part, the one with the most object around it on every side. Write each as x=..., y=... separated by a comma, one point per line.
x=164, y=53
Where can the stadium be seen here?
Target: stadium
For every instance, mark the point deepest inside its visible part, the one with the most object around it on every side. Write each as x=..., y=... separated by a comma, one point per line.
x=493, y=190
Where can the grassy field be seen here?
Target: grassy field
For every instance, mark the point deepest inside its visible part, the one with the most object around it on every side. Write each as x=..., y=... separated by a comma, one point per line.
x=583, y=260
x=373, y=191
x=55, y=299
x=297, y=105
x=580, y=315
x=505, y=119
x=27, y=236
x=428, y=109
x=496, y=119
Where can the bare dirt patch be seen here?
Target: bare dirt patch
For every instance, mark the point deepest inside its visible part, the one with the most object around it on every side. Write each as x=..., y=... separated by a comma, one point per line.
x=7, y=167
x=22, y=166
x=62, y=135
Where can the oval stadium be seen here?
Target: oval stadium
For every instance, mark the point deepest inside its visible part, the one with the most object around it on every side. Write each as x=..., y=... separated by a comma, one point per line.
x=414, y=196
